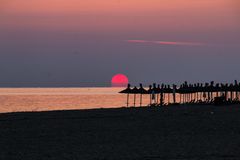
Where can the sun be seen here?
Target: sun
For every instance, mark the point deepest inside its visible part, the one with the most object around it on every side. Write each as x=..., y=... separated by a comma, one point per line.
x=119, y=80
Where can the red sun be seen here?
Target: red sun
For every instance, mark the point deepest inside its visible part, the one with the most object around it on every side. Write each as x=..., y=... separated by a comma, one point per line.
x=119, y=80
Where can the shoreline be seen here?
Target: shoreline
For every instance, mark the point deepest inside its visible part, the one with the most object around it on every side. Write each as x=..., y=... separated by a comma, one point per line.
x=175, y=106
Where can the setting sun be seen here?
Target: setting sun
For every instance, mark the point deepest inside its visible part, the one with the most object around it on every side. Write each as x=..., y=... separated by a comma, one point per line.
x=119, y=80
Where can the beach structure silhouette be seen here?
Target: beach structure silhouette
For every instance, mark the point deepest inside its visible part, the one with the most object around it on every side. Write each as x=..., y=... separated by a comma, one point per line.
x=198, y=93
x=150, y=92
x=134, y=92
x=141, y=91
x=127, y=91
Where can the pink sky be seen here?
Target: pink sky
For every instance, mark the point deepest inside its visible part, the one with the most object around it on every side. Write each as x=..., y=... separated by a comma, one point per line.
x=113, y=15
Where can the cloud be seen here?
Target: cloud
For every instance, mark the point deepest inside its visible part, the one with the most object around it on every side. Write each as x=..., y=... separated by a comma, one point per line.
x=175, y=43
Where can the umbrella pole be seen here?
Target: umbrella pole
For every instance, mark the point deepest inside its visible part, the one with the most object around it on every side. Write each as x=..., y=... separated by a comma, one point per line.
x=168, y=98
x=160, y=98
x=141, y=100
x=184, y=98
x=134, y=100
x=150, y=99
x=164, y=96
x=127, y=99
x=180, y=97
x=185, y=101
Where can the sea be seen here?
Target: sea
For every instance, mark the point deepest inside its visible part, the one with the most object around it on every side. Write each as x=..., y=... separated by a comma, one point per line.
x=45, y=99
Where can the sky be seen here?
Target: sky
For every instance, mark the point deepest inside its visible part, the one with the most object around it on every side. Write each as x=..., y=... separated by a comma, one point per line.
x=47, y=43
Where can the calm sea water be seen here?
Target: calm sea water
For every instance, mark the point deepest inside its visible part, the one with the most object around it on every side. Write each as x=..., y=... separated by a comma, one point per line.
x=42, y=99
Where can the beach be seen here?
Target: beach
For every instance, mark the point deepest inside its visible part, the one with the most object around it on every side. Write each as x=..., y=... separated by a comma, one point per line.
x=175, y=132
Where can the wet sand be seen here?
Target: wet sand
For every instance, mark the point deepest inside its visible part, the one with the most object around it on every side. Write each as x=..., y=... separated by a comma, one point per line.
x=177, y=132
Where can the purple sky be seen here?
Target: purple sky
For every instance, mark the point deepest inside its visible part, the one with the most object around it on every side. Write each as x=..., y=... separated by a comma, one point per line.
x=74, y=43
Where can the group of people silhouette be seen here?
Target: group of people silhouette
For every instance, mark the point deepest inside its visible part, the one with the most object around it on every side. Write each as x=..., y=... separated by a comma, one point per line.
x=200, y=93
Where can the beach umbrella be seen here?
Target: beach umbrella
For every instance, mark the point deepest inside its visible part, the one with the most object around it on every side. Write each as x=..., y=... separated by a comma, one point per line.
x=230, y=89
x=190, y=91
x=162, y=95
x=201, y=89
x=158, y=91
x=180, y=91
x=211, y=90
x=142, y=91
x=217, y=89
x=150, y=91
x=174, y=93
x=169, y=91
x=127, y=91
x=194, y=91
x=155, y=91
x=206, y=92
x=236, y=89
x=226, y=90
x=197, y=90
x=185, y=91
x=134, y=91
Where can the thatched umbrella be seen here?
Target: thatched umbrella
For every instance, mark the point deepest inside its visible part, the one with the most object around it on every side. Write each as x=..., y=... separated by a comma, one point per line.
x=182, y=91
x=174, y=93
x=127, y=91
x=197, y=89
x=151, y=93
x=217, y=89
x=201, y=89
x=169, y=91
x=162, y=95
x=179, y=91
x=142, y=91
x=155, y=91
x=226, y=91
x=185, y=92
x=134, y=91
x=211, y=89
x=158, y=91
x=236, y=89
x=231, y=89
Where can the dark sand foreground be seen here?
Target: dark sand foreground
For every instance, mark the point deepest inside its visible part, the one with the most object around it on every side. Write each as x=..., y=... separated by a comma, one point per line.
x=179, y=132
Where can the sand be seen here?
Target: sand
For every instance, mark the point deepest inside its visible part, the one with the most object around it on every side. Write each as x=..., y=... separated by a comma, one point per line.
x=178, y=132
